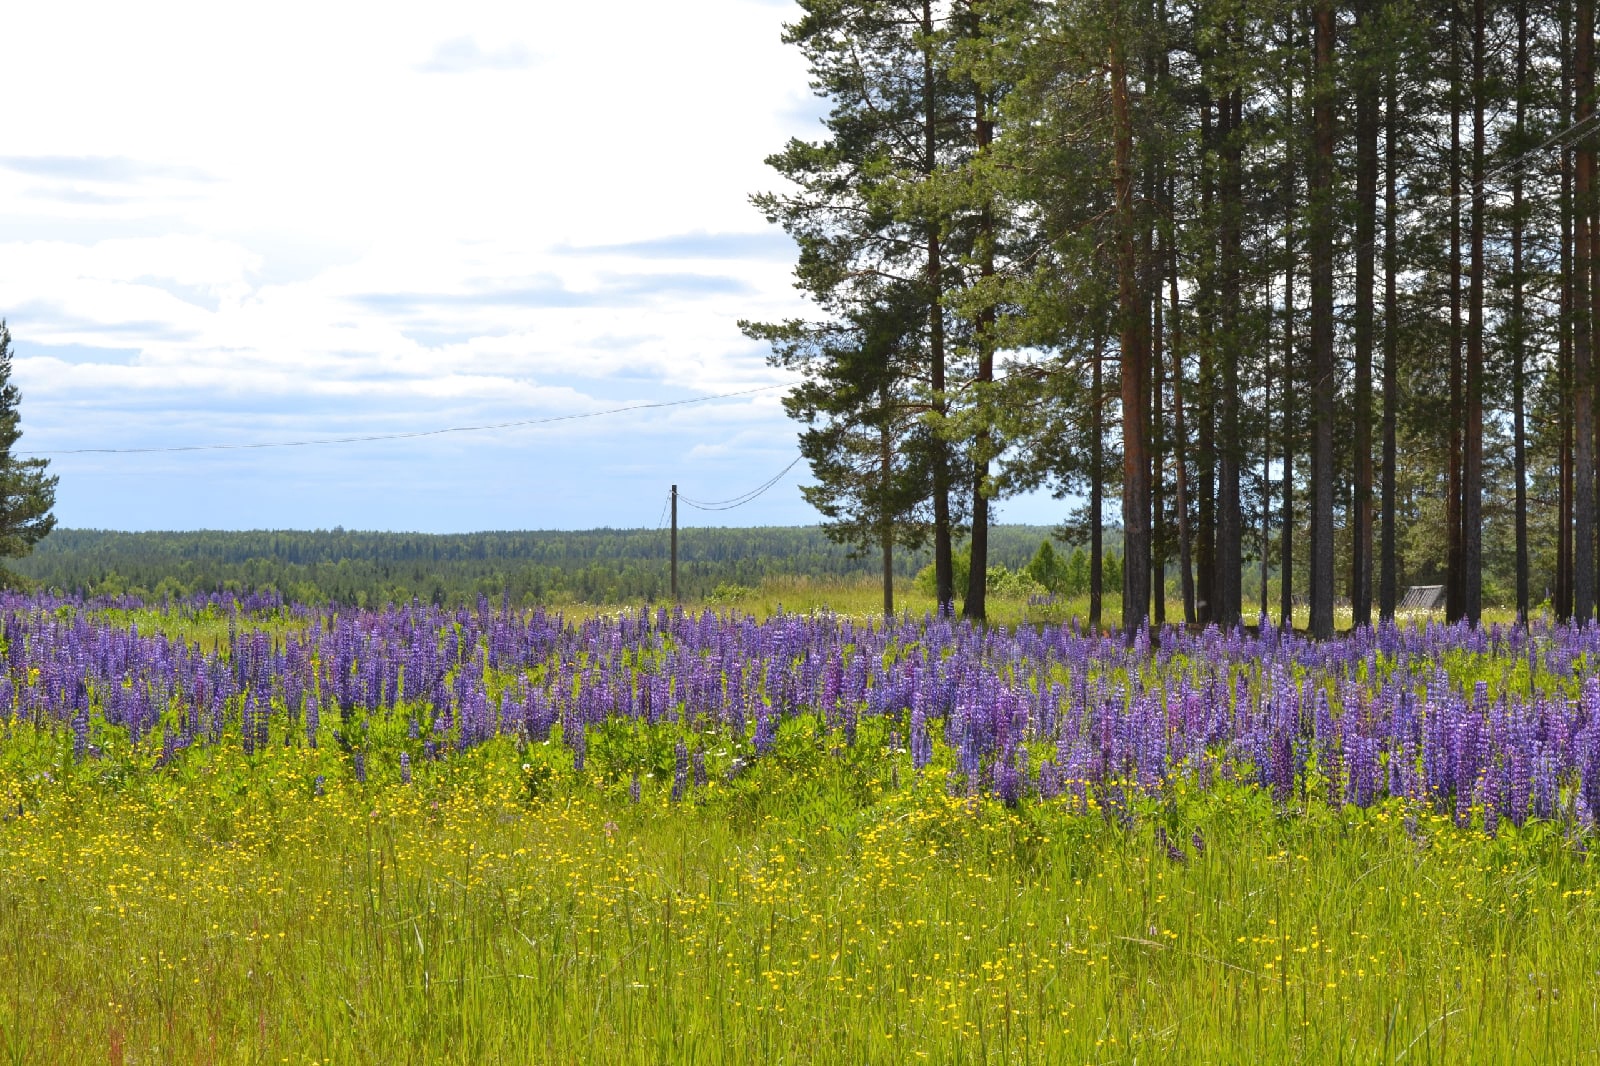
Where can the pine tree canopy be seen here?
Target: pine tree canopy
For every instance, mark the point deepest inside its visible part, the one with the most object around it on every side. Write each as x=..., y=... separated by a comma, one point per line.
x=27, y=492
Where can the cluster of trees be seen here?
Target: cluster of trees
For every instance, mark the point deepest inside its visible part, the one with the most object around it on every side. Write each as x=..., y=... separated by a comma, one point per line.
x=1069, y=575
x=369, y=569
x=1312, y=281
x=1047, y=572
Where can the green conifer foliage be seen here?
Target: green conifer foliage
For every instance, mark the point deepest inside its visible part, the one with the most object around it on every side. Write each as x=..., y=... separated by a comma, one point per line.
x=27, y=492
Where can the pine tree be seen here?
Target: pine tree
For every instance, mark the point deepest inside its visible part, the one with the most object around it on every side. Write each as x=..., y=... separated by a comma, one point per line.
x=1039, y=173
x=27, y=493
x=863, y=441
x=859, y=209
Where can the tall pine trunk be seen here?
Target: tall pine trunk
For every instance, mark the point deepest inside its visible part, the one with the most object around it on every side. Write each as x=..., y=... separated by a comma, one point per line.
x=1205, y=395
x=1518, y=326
x=1472, y=475
x=975, y=606
x=1583, y=510
x=1226, y=586
x=886, y=519
x=943, y=561
x=1158, y=534
x=1455, y=587
x=1157, y=77
x=1097, y=481
x=1563, y=594
x=1366, y=133
x=1180, y=444
x=1135, y=472
x=1388, y=576
x=1266, y=484
x=1322, y=369
x=1290, y=203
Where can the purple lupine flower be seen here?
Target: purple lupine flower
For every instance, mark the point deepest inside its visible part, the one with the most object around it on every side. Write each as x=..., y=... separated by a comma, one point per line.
x=921, y=742
x=1049, y=783
x=248, y=724
x=1173, y=850
x=1545, y=786
x=1361, y=769
x=313, y=720
x=80, y=734
x=405, y=768
x=680, y=773
x=1008, y=779
x=765, y=734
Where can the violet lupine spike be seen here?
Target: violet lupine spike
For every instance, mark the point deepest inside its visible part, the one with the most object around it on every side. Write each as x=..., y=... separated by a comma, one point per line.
x=1048, y=784
x=80, y=734
x=1009, y=779
x=680, y=773
x=765, y=734
x=921, y=738
x=1396, y=723
x=248, y=724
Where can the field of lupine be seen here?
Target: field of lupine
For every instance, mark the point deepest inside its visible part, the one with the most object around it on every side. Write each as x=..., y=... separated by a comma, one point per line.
x=239, y=831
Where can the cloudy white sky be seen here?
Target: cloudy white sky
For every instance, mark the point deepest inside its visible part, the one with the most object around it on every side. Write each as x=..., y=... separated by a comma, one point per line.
x=232, y=223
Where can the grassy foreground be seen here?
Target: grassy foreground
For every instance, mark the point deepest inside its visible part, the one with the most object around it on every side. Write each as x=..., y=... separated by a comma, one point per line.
x=827, y=906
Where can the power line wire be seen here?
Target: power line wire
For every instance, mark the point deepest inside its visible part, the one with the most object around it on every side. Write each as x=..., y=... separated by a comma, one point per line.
x=1444, y=198
x=1517, y=161
x=744, y=497
x=245, y=446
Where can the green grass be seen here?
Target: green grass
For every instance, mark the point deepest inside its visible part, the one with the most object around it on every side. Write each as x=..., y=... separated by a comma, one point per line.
x=863, y=598
x=856, y=597
x=828, y=906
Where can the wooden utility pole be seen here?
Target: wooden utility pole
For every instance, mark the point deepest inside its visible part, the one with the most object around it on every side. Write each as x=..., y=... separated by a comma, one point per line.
x=674, y=544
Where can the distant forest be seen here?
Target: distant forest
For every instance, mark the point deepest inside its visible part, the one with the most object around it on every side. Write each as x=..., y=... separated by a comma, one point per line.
x=365, y=568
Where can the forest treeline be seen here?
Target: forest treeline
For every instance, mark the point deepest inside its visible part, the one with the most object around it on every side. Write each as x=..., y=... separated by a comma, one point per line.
x=369, y=569
x=1308, y=287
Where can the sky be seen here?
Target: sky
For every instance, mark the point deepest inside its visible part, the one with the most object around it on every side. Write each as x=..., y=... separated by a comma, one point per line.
x=226, y=224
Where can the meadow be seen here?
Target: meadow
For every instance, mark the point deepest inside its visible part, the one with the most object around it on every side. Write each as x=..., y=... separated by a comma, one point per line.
x=238, y=831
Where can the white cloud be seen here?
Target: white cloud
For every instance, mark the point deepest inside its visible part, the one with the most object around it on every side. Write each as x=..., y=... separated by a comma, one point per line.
x=463, y=55
x=220, y=222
